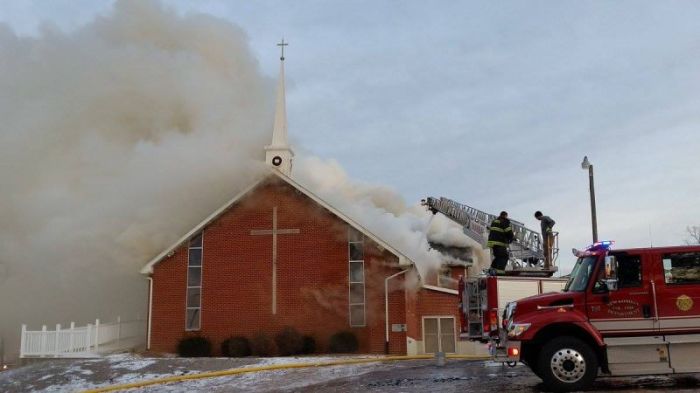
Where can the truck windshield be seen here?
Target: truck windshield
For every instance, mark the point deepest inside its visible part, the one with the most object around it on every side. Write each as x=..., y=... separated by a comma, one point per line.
x=580, y=275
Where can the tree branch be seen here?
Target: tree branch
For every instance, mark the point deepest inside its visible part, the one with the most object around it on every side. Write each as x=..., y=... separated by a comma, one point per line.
x=694, y=234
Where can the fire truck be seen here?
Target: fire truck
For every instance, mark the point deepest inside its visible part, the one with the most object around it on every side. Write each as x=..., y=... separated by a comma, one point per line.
x=621, y=312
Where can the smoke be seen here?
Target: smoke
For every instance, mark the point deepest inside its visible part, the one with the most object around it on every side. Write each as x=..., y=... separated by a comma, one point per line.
x=115, y=139
x=446, y=232
x=119, y=137
x=383, y=211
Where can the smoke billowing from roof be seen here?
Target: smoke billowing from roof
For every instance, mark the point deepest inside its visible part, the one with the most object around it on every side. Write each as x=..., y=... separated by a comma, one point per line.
x=114, y=140
x=384, y=212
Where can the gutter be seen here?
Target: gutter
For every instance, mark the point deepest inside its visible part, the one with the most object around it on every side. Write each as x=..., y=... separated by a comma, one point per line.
x=150, y=311
x=386, y=308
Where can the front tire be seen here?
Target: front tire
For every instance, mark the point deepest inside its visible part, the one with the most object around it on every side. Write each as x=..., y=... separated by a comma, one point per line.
x=566, y=364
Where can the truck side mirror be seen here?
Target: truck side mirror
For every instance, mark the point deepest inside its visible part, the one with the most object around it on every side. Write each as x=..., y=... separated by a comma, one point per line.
x=611, y=284
x=611, y=273
x=600, y=287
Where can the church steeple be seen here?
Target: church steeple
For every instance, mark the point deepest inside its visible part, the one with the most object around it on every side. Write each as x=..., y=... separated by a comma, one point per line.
x=278, y=154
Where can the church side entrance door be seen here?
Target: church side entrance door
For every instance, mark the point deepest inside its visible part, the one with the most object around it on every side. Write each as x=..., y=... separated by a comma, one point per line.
x=439, y=334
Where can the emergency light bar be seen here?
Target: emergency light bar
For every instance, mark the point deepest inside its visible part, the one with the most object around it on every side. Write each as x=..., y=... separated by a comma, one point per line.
x=602, y=245
x=590, y=250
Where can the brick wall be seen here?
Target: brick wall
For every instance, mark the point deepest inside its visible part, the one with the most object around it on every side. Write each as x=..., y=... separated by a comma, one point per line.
x=429, y=303
x=312, y=283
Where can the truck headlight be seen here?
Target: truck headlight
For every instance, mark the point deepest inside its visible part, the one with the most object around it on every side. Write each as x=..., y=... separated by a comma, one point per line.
x=516, y=329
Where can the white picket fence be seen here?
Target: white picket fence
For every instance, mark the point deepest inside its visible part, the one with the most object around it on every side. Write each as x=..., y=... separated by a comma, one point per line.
x=91, y=340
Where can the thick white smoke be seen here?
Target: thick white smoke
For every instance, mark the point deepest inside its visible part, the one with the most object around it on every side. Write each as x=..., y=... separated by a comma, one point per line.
x=114, y=140
x=384, y=212
x=446, y=232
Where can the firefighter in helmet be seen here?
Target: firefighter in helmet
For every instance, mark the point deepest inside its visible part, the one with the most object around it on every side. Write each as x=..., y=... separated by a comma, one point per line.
x=500, y=235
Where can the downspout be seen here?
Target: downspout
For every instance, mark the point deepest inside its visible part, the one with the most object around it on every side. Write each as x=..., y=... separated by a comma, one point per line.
x=386, y=308
x=150, y=311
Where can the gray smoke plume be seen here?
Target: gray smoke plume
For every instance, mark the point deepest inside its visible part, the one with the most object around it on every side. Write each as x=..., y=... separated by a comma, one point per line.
x=116, y=139
x=384, y=212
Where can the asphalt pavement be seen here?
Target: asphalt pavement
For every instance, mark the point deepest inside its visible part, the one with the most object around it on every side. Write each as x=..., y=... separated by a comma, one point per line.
x=478, y=376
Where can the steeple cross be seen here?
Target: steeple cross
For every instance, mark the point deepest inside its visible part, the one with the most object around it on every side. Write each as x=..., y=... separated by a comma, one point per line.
x=282, y=45
x=274, y=232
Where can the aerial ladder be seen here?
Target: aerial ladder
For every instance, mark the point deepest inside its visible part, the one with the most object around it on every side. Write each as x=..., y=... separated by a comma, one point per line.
x=526, y=251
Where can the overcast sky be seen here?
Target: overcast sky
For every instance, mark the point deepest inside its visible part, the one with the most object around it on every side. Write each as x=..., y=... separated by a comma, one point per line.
x=493, y=104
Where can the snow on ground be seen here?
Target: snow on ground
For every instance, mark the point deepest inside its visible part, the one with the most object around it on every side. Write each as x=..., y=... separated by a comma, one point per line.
x=311, y=359
x=81, y=374
x=268, y=380
x=131, y=363
x=375, y=377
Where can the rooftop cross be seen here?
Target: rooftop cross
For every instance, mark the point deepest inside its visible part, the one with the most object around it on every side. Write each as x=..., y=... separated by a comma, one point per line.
x=282, y=45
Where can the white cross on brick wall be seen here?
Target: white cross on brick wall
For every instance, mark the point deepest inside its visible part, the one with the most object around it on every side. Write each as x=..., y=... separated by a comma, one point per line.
x=274, y=232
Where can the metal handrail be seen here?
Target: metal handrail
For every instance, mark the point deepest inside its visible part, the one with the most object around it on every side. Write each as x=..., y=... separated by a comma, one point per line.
x=478, y=221
x=527, y=244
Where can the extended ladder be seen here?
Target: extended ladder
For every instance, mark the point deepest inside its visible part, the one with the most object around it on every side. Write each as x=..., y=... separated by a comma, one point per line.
x=526, y=251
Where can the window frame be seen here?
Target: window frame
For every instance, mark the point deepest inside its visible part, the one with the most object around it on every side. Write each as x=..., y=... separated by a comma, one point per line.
x=620, y=257
x=446, y=272
x=669, y=256
x=353, y=240
x=190, y=247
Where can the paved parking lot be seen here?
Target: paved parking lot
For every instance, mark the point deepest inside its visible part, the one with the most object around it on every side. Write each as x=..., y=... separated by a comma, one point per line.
x=401, y=376
x=471, y=376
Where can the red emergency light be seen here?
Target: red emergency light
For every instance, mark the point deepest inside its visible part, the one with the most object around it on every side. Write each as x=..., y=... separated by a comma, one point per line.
x=513, y=352
x=491, y=321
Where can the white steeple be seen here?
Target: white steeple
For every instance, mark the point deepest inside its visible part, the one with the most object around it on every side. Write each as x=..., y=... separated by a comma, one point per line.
x=278, y=154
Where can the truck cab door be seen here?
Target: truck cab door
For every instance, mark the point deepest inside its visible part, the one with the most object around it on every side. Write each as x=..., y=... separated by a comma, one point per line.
x=678, y=292
x=678, y=299
x=627, y=307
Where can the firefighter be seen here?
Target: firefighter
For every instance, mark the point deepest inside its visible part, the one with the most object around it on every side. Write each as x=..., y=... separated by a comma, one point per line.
x=500, y=235
x=546, y=223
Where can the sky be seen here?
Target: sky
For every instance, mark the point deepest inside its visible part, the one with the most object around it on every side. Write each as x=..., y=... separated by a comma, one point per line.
x=493, y=104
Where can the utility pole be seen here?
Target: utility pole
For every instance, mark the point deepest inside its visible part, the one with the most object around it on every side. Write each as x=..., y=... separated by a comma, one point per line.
x=594, y=221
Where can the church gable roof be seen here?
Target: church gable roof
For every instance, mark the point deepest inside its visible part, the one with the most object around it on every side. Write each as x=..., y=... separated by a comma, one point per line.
x=403, y=260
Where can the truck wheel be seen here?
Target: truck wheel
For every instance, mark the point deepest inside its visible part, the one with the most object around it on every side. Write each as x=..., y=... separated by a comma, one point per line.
x=566, y=364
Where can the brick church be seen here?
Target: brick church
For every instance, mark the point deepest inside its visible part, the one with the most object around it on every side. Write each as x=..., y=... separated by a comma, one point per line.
x=278, y=255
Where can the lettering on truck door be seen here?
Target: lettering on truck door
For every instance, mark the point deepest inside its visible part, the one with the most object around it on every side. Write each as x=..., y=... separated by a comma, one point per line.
x=630, y=308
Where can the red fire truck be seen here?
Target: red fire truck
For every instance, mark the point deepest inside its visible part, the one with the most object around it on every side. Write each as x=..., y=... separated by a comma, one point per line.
x=622, y=312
